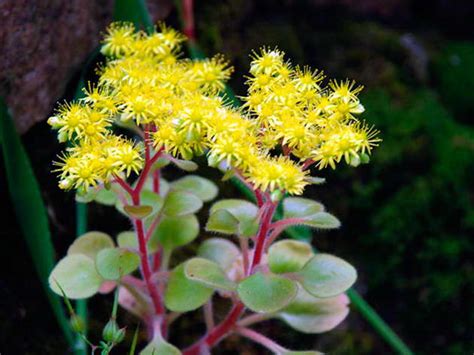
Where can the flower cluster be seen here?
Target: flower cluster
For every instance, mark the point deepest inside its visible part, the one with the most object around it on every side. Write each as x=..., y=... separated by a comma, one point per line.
x=288, y=122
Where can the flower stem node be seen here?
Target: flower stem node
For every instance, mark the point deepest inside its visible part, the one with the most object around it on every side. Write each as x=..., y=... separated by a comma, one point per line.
x=112, y=333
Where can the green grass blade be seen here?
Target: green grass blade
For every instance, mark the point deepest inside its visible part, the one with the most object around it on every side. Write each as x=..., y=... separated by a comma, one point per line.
x=133, y=11
x=30, y=211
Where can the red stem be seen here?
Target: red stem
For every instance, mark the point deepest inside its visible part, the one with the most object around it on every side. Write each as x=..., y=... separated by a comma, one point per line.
x=146, y=270
x=146, y=170
x=262, y=234
x=219, y=332
x=188, y=18
x=142, y=242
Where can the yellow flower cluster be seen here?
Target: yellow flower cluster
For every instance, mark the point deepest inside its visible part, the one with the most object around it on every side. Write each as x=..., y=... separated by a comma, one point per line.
x=287, y=122
x=313, y=122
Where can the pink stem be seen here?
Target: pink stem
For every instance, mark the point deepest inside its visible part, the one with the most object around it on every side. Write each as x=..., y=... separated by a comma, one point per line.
x=307, y=164
x=288, y=222
x=261, y=339
x=272, y=236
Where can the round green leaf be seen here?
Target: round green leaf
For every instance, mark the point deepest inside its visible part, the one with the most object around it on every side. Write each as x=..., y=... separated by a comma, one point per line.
x=106, y=197
x=327, y=275
x=221, y=251
x=208, y=273
x=312, y=315
x=90, y=244
x=138, y=212
x=266, y=293
x=297, y=207
x=203, y=188
x=173, y=232
x=159, y=346
x=182, y=294
x=86, y=196
x=76, y=275
x=180, y=203
x=113, y=263
x=288, y=256
x=244, y=211
x=128, y=240
x=164, y=186
x=222, y=221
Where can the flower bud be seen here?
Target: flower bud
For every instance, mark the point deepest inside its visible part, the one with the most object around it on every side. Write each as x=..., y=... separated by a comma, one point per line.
x=77, y=323
x=355, y=161
x=276, y=196
x=112, y=333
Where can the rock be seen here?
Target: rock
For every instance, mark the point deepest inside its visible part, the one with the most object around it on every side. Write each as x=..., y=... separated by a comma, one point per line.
x=43, y=44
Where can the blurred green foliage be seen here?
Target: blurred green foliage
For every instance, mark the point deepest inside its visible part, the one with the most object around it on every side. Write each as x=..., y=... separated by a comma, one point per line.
x=418, y=193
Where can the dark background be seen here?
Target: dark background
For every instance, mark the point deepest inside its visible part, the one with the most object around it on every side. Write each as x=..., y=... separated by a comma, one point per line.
x=408, y=217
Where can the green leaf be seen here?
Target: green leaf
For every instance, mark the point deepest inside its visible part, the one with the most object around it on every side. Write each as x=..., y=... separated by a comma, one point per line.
x=243, y=211
x=113, y=263
x=203, y=188
x=147, y=198
x=160, y=163
x=222, y=221
x=30, y=210
x=138, y=212
x=106, y=197
x=86, y=196
x=186, y=165
x=180, y=203
x=316, y=180
x=159, y=346
x=297, y=207
x=128, y=240
x=174, y=232
x=266, y=293
x=182, y=294
x=77, y=276
x=90, y=244
x=148, y=186
x=219, y=250
x=288, y=256
x=322, y=220
x=327, y=275
x=208, y=273
x=312, y=315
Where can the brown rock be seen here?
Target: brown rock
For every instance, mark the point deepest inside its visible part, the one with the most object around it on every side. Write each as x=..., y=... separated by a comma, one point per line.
x=43, y=43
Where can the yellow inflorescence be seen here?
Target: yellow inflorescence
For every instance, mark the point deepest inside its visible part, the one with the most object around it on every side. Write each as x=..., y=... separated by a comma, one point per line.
x=288, y=120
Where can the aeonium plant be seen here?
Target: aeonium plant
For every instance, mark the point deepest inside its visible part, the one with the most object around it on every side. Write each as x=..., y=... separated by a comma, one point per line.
x=289, y=123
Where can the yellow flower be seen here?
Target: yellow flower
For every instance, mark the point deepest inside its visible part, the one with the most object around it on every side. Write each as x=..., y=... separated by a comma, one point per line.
x=269, y=174
x=118, y=39
x=268, y=61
